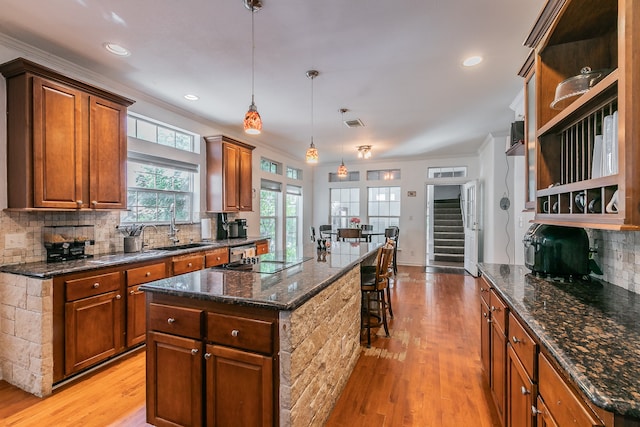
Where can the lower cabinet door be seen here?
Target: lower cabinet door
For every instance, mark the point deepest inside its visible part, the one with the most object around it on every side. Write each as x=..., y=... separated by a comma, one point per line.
x=498, y=370
x=136, y=320
x=239, y=388
x=520, y=392
x=174, y=380
x=485, y=339
x=93, y=330
x=543, y=416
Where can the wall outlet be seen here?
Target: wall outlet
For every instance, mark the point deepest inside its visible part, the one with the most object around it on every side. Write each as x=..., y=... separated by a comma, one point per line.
x=15, y=241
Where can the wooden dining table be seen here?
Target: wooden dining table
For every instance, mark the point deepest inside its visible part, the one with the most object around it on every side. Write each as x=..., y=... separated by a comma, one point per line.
x=365, y=234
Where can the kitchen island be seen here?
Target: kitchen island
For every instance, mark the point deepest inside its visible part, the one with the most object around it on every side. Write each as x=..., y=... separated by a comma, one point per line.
x=587, y=331
x=255, y=348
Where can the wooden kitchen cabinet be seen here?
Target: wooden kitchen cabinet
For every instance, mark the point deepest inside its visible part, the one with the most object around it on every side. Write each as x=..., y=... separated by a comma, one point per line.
x=136, y=319
x=485, y=327
x=187, y=263
x=237, y=372
x=603, y=35
x=498, y=354
x=174, y=380
x=229, y=175
x=262, y=247
x=216, y=257
x=94, y=315
x=66, y=141
x=521, y=393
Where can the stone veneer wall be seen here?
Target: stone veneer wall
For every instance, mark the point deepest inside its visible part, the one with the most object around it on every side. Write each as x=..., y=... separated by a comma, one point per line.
x=618, y=256
x=26, y=333
x=319, y=347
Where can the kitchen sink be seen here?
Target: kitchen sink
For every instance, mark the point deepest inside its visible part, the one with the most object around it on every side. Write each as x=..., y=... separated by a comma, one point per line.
x=179, y=247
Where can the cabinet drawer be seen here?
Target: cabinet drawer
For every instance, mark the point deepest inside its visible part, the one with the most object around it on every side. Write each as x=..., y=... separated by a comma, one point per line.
x=562, y=402
x=216, y=257
x=175, y=320
x=249, y=334
x=187, y=264
x=94, y=285
x=148, y=273
x=498, y=310
x=522, y=343
x=483, y=289
x=262, y=247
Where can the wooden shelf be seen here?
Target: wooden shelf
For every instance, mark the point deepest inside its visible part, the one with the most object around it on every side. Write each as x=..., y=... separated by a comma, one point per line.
x=605, y=181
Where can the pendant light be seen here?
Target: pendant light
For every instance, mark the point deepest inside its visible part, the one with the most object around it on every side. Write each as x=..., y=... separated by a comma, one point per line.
x=342, y=169
x=252, y=120
x=312, y=151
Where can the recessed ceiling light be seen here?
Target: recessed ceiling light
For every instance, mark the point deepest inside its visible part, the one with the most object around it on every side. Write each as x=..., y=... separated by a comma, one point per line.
x=116, y=49
x=191, y=97
x=472, y=60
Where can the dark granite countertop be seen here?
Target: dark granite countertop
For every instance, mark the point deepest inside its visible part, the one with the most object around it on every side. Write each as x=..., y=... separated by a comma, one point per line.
x=284, y=290
x=44, y=270
x=591, y=328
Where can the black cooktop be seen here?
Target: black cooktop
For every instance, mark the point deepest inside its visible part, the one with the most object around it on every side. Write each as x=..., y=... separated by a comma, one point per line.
x=266, y=264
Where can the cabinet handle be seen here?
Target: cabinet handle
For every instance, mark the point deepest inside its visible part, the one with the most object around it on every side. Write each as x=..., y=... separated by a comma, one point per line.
x=118, y=296
x=515, y=340
x=194, y=351
x=494, y=308
x=524, y=390
x=96, y=285
x=148, y=273
x=207, y=356
x=535, y=411
x=235, y=333
x=132, y=292
x=171, y=320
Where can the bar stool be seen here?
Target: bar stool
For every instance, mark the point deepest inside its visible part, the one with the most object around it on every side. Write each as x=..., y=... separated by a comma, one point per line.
x=374, y=301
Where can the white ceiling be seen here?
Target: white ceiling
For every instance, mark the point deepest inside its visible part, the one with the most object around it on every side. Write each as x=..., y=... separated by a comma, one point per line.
x=395, y=64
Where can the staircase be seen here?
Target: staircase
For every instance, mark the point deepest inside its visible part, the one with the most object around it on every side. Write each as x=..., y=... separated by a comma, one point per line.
x=448, y=232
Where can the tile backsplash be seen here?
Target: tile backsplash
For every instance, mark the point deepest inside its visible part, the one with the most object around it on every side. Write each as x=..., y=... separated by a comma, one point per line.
x=618, y=255
x=21, y=237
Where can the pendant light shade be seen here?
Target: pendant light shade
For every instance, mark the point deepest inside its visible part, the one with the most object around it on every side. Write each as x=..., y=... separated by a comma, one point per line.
x=312, y=151
x=252, y=120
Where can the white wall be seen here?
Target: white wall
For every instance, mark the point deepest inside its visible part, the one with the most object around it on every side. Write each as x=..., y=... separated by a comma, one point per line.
x=412, y=241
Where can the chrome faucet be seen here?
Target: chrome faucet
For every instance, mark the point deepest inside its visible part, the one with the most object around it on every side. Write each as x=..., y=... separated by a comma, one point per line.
x=172, y=225
x=144, y=227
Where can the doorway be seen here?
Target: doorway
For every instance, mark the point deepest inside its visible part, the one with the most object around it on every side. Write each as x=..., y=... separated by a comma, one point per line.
x=445, y=230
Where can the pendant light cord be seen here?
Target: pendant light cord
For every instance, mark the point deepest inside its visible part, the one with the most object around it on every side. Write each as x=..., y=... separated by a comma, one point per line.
x=253, y=54
x=312, y=110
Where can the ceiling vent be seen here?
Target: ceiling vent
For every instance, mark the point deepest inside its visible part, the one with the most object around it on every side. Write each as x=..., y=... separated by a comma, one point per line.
x=356, y=123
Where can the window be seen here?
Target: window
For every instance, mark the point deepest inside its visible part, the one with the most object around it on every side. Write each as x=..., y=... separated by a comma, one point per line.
x=148, y=130
x=294, y=173
x=345, y=204
x=384, y=207
x=293, y=225
x=384, y=175
x=351, y=177
x=452, y=172
x=270, y=166
x=154, y=184
x=269, y=201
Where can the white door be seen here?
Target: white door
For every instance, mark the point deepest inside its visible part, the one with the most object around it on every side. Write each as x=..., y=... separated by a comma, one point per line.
x=470, y=221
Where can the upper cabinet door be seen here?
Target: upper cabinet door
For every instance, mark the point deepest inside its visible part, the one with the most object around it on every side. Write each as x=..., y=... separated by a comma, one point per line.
x=245, y=189
x=231, y=178
x=57, y=145
x=107, y=154
x=530, y=140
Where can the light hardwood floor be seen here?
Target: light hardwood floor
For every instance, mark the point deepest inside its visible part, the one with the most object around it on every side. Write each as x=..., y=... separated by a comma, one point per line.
x=427, y=373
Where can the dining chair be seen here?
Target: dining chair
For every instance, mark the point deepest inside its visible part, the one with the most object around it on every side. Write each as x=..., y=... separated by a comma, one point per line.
x=349, y=233
x=393, y=233
x=324, y=231
x=372, y=287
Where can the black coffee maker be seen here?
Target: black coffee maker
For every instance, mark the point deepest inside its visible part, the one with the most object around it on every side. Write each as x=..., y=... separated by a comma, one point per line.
x=242, y=227
x=222, y=227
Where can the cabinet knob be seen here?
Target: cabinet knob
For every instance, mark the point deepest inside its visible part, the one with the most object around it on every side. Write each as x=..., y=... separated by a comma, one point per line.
x=132, y=292
x=79, y=202
x=94, y=203
x=489, y=321
x=148, y=273
x=484, y=314
x=235, y=333
x=535, y=411
x=494, y=308
x=96, y=285
x=483, y=289
x=524, y=390
x=217, y=258
x=171, y=320
x=118, y=296
x=515, y=340
x=189, y=265
x=194, y=351
x=207, y=356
